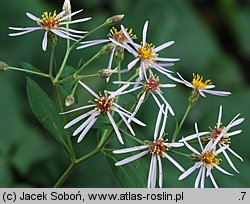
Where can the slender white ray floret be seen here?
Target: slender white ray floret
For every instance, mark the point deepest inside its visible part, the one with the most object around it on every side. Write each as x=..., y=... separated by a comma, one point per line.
x=52, y=24
x=199, y=86
x=102, y=105
x=224, y=139
x=158, y=149
x=146, y=54
x=205, y=161
x=150, y=86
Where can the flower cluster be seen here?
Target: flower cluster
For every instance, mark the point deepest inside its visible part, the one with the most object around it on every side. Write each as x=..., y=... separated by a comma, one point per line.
x=148, y=66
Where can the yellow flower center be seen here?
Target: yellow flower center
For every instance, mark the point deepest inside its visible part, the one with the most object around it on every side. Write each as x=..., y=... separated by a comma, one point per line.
x=103, y=105
x=208, y=159
x=146, y=52
x=198, y=82
x=152, y=84
x=119, y=36
x=157, y=147
x=48, y=21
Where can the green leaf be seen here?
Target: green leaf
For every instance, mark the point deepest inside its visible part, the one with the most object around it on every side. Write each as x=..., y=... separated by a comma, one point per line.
x=131, y=175
x=30, y=67
x=68, y=71
x=46, y=112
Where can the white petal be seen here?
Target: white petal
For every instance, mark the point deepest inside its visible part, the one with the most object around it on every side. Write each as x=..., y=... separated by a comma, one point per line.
x=131, y=90
x=197, y=132
x=159, y=68
x=217, y=93
x=167, y=85
x=219, y=118
x=117, y=43
x=193, y=136
x=133, y=63
x=69, y=34
x=79, y=118
x=127, y=123
x=61, y=34
x=163, y=126
x=234, y=133
x=197, y=180
x=89, y=89
x=156, y=100
x=237, y=122
x=167, y=104
x=229, y=161
x=32, y=17
x=163, y=46
x=75, y=21
x=81, y=127
x=154, y=170
x=118, y=91
x=150, y=171
x=87, y=128
x=191, y=148
x=187, y=83
x=125, y=82
x=25, y=29
x=138, y=105
x=118, y=134
x=235, y=154
x=121, y=108
x=174, y=162
x=20, y=33
x=83, y=107
x=222, y=149
x=70, y=15
x=91, y=44
x=111, y=58
x=213, y=181
x=45, y=40
x=166, y=59
x=77, y=31
x=158, y=121
x=134, y=119
x=203, y=177
x=174, y=144
x=160, y=171
x=144, y=33
x=188, y=172
x=60, y=15
x=130, y=149
x=222, y=170
x=132, y=158
x=128, y=37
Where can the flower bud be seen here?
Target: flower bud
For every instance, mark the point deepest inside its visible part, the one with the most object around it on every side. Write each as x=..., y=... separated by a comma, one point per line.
x=3, y=66
x=69, y=100
x=106, y=49
x=67, y=7
x=114, y=20
x=105, y=73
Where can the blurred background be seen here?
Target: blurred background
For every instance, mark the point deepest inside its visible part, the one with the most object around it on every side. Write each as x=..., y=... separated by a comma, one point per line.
x=212, y=38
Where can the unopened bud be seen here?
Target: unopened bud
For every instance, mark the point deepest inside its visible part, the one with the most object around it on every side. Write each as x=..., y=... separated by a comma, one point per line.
x=106, y=49
x=69, y=100
x=105, y=73
x=3, y=66
x=114, y=20
x=119, y=54
x=67, y=7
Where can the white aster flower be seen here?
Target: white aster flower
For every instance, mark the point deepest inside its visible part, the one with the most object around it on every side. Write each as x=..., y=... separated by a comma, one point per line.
x=157, y=148
x=146, y=54
x=206, y=161
x=102, y=105
x=222, y=140
x=199, y=86
x=52, y=24
x=150, y=86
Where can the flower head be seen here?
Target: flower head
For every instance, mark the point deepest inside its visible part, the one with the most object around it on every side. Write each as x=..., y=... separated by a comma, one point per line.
x=53, y=24
x=158, y=148
x=205, y=161
x=102, y=105
x=199, y=86
x=150, y=86
x=146, y=54
x=221, y=137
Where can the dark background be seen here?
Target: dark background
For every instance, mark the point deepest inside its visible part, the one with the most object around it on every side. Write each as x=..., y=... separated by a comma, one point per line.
x=212, y=38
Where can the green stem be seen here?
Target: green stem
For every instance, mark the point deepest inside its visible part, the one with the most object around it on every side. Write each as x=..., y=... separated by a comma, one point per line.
x=88, y=62
x=182, y=121
x=69, y=142
x=79, y=77
x=69, y=49
x=180, y=153
x=51, y=62
x=29, y=71
x=132, y=137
